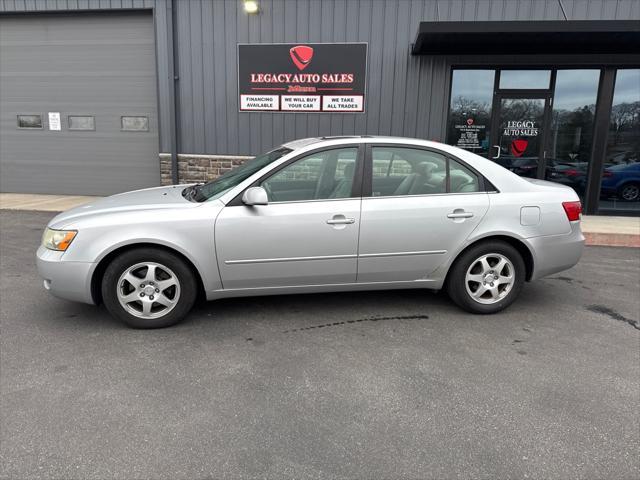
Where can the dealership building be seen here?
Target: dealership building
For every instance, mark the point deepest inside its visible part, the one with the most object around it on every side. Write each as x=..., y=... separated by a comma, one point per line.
x=103, y=96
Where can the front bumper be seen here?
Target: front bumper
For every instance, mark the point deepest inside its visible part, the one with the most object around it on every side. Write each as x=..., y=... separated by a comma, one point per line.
x=63, y=279
x=556, y=253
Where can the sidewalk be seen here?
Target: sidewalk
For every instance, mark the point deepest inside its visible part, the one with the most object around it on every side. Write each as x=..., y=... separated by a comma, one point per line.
x=606, y=231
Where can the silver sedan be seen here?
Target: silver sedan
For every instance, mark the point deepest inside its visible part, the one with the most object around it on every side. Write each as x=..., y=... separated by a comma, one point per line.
x=317, y=215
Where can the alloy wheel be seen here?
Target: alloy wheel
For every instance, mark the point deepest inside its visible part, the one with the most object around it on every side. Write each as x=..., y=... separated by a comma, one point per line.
x=631, y=192
x=148, y=290
x=490, y=278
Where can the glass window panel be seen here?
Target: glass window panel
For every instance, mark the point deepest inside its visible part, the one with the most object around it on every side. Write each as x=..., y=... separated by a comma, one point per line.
x=572, y=120
x=82, y=122
x=407, y=171
x=534, y=79
x=322, y=175
x=470, y=110
x=620, y=185
x=29, y=121
x=462, y=179
x=135, y=124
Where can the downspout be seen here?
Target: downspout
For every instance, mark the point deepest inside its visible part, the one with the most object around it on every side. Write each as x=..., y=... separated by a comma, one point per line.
x=173, y=87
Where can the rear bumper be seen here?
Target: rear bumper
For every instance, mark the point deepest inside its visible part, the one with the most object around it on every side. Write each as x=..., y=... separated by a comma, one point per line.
x=555, y=253
x=67, y=280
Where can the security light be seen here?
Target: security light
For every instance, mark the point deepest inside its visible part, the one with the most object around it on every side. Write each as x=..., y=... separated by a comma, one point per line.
x=251, y=6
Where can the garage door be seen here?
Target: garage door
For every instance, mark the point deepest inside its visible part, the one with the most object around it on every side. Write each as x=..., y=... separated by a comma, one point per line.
x=78, y=105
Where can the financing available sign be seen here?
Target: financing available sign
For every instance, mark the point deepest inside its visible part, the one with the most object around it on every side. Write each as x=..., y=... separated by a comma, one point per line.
x=309, y=77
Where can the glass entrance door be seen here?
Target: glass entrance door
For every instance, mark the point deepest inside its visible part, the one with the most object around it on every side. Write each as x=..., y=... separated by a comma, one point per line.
x=519, y=133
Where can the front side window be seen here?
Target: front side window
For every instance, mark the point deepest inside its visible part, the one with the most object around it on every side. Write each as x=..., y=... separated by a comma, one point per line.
x=322, y=175
x=400, y=171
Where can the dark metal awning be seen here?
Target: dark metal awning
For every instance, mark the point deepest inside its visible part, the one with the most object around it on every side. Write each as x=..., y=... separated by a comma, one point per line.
x=528, y=37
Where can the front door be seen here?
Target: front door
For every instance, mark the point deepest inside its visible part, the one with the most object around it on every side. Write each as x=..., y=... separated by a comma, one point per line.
x=519, y=133
x=306, y=235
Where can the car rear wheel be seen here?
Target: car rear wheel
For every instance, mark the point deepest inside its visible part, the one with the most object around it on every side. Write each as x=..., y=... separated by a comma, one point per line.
x=486, y=278
x=148, y=288
x=630, y=192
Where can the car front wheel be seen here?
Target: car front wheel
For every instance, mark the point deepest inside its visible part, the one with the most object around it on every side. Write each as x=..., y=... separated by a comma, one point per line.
x=486, y=278
x=148, y=288
x=630, y=192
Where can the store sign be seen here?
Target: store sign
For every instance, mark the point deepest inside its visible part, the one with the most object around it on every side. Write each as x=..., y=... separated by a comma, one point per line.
x=310, y=77
x=516, y=128
x=469, y=134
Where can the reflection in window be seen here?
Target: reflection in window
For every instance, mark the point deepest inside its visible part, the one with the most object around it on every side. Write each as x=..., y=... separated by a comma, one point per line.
x=323, y=175
x=620, y=186
x=29, y=121
x=534, y=79
x=470, y=110
x=407, y=171
x=81, y=122
x=572, y=121
x=135, y=124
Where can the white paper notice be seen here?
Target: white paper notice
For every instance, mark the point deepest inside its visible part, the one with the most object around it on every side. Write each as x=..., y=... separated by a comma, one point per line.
x=342, y=104
x=301, y=103
x=54, y=121
x=259, y=102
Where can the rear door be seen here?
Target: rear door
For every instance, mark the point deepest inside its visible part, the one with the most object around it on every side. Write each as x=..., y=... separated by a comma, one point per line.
x=406, y=235
x=306, y=235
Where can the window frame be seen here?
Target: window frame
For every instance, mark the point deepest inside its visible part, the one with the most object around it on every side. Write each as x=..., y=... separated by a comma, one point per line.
x=148, y=117
x=356, y=188
x=18, y=115
x=80, y=129
x=484, y=185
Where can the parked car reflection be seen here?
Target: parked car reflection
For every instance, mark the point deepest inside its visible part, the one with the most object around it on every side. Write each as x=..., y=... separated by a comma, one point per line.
x=621, y=181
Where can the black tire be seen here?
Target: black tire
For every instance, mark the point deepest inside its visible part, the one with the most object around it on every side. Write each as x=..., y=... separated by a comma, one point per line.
x=167, y=262
x=456, y=281
x=629, y=192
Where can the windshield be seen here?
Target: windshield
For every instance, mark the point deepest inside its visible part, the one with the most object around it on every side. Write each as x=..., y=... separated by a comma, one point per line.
x=218, y=187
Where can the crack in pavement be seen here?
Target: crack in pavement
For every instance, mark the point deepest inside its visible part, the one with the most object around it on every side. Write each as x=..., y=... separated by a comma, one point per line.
x=360, y=320
x=613, y=314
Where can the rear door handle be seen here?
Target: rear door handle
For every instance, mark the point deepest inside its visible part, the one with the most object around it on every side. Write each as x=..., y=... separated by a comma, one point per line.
x=460, y=215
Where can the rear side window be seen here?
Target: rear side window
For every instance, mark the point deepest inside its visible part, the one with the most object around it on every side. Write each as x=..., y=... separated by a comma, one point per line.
x=461, y=179
x=400, y=171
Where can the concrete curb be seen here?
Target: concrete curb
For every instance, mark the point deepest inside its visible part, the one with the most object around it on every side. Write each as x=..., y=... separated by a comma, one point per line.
x=612, y=239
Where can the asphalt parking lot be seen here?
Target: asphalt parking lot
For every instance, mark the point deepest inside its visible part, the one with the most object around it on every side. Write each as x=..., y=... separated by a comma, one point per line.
x=368, y=385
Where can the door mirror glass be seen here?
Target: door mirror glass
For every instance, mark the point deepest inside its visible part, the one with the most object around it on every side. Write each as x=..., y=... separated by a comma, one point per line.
x=255, y=196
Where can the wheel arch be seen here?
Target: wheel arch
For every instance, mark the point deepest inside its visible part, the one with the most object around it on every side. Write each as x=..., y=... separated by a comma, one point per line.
x=518, y=244
x=98, y=273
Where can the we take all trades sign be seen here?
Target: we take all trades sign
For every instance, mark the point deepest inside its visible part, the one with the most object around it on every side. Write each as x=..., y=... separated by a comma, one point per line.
x=297, y=77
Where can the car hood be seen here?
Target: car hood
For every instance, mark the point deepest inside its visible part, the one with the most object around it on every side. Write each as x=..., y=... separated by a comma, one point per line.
x=156, y=198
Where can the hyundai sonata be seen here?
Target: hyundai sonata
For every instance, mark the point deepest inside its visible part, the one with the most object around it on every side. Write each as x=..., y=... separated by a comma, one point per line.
x=317, y=215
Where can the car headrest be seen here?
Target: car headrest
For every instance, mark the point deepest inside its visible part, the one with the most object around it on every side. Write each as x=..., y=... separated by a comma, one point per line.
x=425, y=169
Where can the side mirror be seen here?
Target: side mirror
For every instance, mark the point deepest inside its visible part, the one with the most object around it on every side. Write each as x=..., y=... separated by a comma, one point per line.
x=255, y=196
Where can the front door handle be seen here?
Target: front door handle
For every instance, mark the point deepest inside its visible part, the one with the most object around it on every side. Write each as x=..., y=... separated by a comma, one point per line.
x=457, y=214
x=497, y=156
x=341, y=221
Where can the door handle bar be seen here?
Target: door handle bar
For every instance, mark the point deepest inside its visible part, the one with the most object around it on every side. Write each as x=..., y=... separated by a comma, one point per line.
x=460, y=215
x=341, y=221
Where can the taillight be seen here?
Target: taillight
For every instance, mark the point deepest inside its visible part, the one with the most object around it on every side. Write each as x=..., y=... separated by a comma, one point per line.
x=573, y=210
x=572, y=173
x=607, y=173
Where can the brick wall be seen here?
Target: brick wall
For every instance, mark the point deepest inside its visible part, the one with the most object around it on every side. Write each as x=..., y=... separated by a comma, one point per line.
x=198, y=168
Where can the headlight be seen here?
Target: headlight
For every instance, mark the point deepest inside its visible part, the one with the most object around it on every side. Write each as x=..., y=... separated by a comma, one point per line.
x=58, y=239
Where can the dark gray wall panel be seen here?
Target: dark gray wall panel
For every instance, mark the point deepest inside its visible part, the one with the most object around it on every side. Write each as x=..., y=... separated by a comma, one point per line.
x=406, y=95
